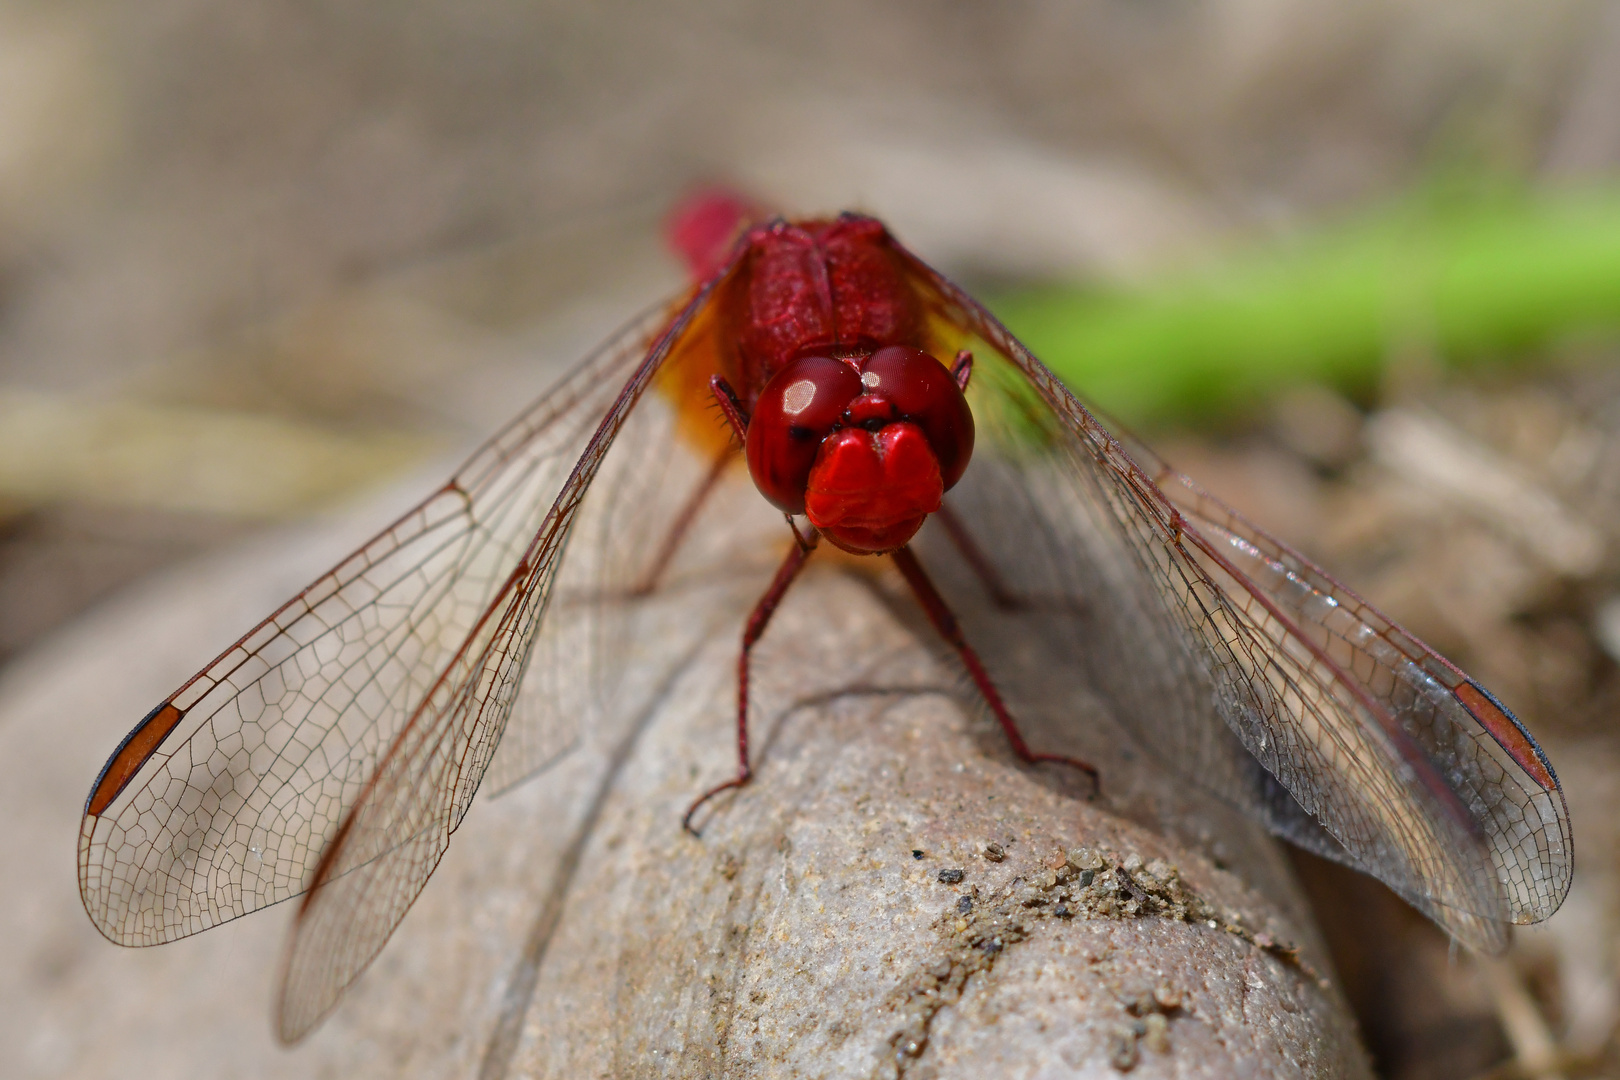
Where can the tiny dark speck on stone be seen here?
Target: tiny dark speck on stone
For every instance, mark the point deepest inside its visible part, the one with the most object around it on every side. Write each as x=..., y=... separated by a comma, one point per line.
x=994, y=852
x=1062, y=911
x=964, y=904
x=1087, y=877
x=950, y=877
x=916, y=853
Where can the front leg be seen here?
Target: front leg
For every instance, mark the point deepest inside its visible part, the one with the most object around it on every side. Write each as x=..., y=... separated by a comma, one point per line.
x=752, y=632
x=944, y=620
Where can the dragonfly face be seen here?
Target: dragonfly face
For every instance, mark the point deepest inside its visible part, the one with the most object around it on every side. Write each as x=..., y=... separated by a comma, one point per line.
x=865, y=445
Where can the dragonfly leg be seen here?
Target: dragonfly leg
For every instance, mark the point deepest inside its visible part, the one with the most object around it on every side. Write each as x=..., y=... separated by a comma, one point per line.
x=731, y=407
x=752, y=632
x=683, y=524
x=1001, y=594
x=944, y=620
x=983, y=569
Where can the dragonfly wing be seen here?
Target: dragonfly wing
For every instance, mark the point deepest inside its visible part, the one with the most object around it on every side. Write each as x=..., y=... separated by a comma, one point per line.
x=1485, y=755
x=393, y=836
x=638, y=545
x=223, y=799
x=622, y=633
x=1068, y=577
x=1203, y=631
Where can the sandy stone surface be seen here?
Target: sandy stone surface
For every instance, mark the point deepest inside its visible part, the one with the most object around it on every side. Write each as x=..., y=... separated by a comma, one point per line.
x=840, y=917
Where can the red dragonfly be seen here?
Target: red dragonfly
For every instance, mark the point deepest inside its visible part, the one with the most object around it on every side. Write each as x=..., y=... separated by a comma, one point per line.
x=331, y=752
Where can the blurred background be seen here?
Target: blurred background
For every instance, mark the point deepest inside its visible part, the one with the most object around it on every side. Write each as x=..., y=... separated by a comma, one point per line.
x=1354, y=266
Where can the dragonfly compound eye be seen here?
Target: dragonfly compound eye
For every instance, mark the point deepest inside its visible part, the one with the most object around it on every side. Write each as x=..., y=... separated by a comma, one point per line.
x=865, y=448
x=924, y=393
x=796, y=410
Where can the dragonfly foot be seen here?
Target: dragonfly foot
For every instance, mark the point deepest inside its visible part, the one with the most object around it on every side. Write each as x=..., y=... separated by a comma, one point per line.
x=1074, y=763
x=735, y=782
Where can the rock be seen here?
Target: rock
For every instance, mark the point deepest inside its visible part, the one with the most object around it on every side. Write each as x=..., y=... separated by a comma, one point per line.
x=575, y=930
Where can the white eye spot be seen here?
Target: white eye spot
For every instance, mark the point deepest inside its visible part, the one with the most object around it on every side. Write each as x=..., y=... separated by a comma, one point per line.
x=869, y=378
x=797, y=398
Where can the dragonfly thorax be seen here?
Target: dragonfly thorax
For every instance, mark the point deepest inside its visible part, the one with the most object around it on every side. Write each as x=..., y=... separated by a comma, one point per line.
x=823, y=287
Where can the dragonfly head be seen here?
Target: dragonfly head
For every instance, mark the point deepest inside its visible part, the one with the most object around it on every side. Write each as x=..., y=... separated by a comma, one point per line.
x=864, y=446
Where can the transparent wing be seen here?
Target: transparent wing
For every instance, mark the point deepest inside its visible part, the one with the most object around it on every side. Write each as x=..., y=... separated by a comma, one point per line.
x=1485, y=763
x=225, y=797
x=1249, y=670
x=392, y=838
x=608, y=640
